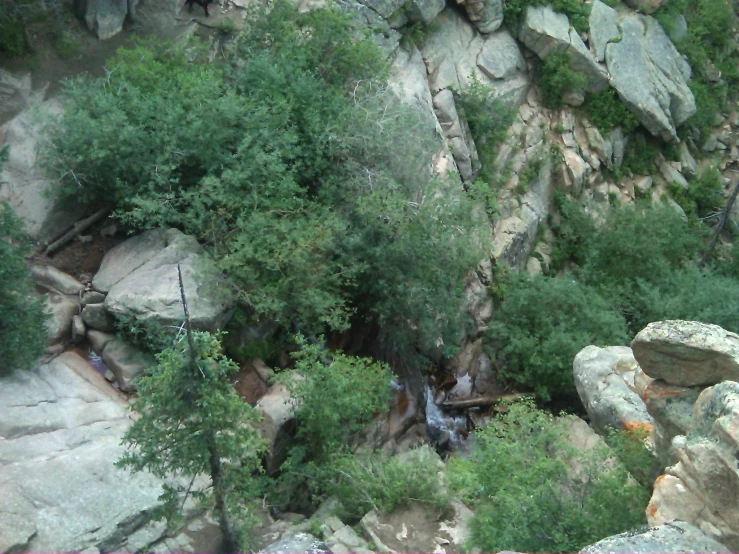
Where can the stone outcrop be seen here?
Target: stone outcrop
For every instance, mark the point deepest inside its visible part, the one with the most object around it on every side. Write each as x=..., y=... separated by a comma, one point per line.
x=487, y=15
x=701, y=487
x=55, y=280
x=106, y=17
x=277, y=424
x=674, y=536
x=547, y=32
x=603, y=28
x=126, y=362
x=60, y=434
x=650, y=76
x=14, y=93
x=604, y=378
x=24, y=184
x=687, y=353
x=140, y=276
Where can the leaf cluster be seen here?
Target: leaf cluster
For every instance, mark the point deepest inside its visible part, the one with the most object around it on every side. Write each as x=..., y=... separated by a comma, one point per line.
x=534, y=492
x=606, y=111
x=557, y=78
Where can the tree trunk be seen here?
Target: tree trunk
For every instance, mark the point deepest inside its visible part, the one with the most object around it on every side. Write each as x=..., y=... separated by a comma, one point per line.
x=229, y=538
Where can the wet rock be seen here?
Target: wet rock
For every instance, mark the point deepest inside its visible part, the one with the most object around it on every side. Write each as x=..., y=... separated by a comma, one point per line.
x=126, y=362
x=674, y=536
x=687, y=353
x=302, y=542
x=604, y=379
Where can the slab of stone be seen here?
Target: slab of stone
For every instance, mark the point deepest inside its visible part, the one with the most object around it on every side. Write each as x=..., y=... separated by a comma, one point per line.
x=126, y=362
x=61, y=310
x=55, y=280
x=603, y=28
x=97, y=317
x=687, y=353
x=675, y=536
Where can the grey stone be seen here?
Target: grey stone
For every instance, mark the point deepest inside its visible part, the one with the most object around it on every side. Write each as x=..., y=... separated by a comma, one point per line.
x=92, y=297
x=106, y=17
x=603, y=28
x=23, y=182
x=687, y=353
x=674, y=536
x=98, y=340
x=78, y=329
x=126, y=362
x=61, y=310
x=424, y=11
x=55, y=280
x=302, y=542
x=142, y=281
x=487, y=15
x=602, y=378
x=97, y=317
x=60, y=434
x=618, y=145
x=545, y=32
x=672, y=175
x=14, y=93
x=687, y=160
x=277, y=424
x=650, y=76
x=500, y=57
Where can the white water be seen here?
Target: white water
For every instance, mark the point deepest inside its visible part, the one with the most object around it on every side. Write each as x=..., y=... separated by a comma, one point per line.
x=442, y=430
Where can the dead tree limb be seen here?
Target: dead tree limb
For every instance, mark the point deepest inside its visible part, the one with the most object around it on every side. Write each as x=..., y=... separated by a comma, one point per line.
x=722, y=221
x=79, y=227
x=481, y=401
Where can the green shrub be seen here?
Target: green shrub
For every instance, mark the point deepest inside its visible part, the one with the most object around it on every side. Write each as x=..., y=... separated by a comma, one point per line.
x=489, y=118
x=372, y=481
x=12, y=36
x=704, y=194
x=533, y=492
x=606, y=111
x=556, y=78
x=639, y=156
x=66, y=45
x=22, y=323
x=542, y=323
x=577, y=11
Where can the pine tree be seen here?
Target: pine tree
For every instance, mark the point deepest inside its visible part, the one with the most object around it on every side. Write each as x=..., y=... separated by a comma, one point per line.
x=191, y=423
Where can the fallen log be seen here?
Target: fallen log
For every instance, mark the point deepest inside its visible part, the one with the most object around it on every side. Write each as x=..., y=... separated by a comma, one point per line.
x=79, y=227
x=482, y=401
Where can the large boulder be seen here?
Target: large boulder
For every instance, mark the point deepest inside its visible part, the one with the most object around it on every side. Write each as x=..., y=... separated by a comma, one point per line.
x=106, y=17
x=60, y=434
x=603, y=28
x=277, y=425
x=126, y=362
x=674, y=536
x=687, y=353
x=701, y=487
x=14, y=93
x=547, y=32
x=141, y=278
x=23, y=182
x=487, y=15
x=55, y=280
x=650, y=76
x=604, y=378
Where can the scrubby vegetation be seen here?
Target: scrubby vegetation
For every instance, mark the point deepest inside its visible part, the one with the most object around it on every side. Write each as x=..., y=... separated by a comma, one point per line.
x=534, y=492
x=577, y=11
x=556, y=79
x=606, y=111
x=288, y=173
x=22, y=323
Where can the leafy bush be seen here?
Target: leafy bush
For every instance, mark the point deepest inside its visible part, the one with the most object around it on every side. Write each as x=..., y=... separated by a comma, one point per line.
x=577, y=11
x=533, y=492
x=290, y=173
x=372, y=481
x=639, y=155
x=489, y=118
x=556, y=78
x=704, y=194
x=606, y=111
x=542, y=324
x=22, y=323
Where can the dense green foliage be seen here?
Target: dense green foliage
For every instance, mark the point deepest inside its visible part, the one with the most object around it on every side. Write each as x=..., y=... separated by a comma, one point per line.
x=710, y=48
x=640, y=155
x=290, y=173
x=577, y=11
x=704, y=195
x=542, y=324
x=489, y=118
x=534, y=492
x=606, y=111
x=192, y=422
x=22, y=318
x=556, y=78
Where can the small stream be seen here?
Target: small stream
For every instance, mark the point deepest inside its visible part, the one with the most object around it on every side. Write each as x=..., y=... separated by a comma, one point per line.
x=445, y=432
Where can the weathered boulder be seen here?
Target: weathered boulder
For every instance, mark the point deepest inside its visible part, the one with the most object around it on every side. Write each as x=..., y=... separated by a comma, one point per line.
x=650, y=76
x=423, y=11
x=98, y=340
x=55, y=280
x=302, y=542
x=277, y=425
x=673, y=536
x=14, y=93
x=106, y=17
x=126, y=362
x=61, y=310
x=604, y=378
x=414, y=528
x=687, y=353
x=97, y=317
x=547, y=32
x=487, y=15
x=60, y=434
x=603, y=28
x=645, y=6
x=701, y=487
x=23, y=182
x=140, y=276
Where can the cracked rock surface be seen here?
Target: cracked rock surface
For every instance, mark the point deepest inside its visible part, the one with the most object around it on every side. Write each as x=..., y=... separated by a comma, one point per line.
x=60, y=433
